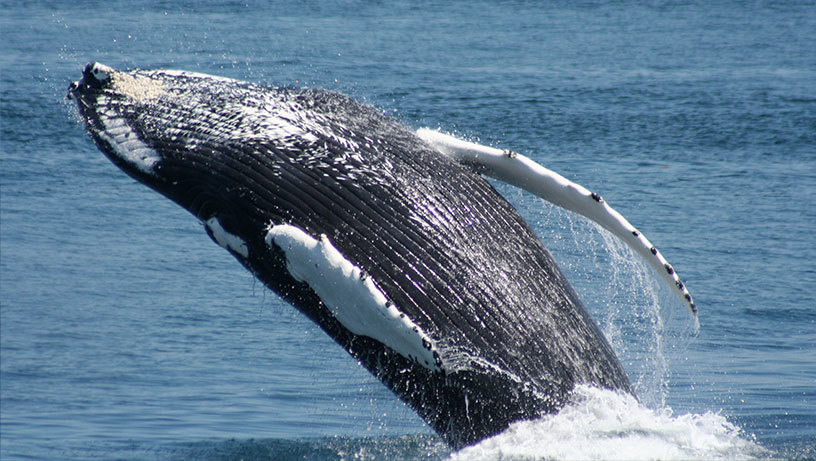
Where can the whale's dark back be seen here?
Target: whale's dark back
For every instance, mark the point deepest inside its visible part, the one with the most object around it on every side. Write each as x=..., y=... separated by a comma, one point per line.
x=452, y=254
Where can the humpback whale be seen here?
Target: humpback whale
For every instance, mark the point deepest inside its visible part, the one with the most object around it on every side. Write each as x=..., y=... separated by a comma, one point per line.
x=389, y=239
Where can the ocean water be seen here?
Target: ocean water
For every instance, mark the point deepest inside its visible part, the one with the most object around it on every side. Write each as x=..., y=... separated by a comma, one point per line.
x=126, y=334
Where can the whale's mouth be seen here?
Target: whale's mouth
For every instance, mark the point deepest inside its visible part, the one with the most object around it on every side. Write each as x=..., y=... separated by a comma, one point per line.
x=105, y=105
x=88, y=90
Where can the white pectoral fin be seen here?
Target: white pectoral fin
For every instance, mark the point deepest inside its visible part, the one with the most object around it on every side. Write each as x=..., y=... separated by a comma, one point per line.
x=350, y=295
x=522, y=172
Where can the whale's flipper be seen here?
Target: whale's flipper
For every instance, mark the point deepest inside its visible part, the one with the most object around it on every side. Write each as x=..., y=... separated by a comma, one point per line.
x=521, y=171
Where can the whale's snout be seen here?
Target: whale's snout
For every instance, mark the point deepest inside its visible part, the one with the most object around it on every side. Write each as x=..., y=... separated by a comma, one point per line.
x=95, y=74
x=94, y=77
x=110, y=114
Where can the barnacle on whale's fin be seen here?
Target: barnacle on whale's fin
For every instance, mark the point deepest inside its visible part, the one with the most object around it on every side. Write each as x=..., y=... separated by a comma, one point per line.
x=523, y=172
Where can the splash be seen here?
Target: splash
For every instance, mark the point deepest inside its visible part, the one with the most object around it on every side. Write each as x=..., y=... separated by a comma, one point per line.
x=640, y=318
x=635, y=323
x=603, y=424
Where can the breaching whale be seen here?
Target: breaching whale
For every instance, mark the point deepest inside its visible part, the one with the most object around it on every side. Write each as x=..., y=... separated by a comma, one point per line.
x=389, y=239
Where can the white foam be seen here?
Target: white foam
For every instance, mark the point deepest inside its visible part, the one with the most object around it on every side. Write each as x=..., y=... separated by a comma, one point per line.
x=353, y=297
x=523, y=172
x=225, y=239
x=602, y=424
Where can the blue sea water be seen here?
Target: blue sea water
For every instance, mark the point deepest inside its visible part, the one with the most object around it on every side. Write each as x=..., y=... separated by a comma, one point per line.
x=126, y=334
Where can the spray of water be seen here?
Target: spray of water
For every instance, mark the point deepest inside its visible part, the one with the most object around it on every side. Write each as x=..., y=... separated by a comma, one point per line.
x=635, y=323
x=645, y=324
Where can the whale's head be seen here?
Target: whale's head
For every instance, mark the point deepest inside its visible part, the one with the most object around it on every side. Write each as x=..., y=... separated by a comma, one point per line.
x=195, y=139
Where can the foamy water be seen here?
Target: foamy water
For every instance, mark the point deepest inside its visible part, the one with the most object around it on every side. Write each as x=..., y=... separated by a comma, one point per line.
x=602, y=424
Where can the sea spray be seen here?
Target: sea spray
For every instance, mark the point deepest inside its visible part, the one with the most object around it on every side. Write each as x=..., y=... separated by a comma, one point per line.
x=635, y=302
x=645, y=324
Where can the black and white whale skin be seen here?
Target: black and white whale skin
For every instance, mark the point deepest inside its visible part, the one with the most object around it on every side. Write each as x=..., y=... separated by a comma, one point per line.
x=408, y=259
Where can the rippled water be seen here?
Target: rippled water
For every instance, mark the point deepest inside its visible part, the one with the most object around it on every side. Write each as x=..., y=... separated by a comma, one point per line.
x=125, y=333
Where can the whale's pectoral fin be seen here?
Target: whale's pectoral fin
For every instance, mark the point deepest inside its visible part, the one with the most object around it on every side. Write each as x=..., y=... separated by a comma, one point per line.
x=351, y=295
x=520, y=171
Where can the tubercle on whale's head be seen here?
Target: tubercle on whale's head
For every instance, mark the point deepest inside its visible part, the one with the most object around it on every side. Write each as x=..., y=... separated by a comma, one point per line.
x=94, y=76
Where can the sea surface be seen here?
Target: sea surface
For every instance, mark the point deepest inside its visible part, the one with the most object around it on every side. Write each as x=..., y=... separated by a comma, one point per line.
x=125, y=333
